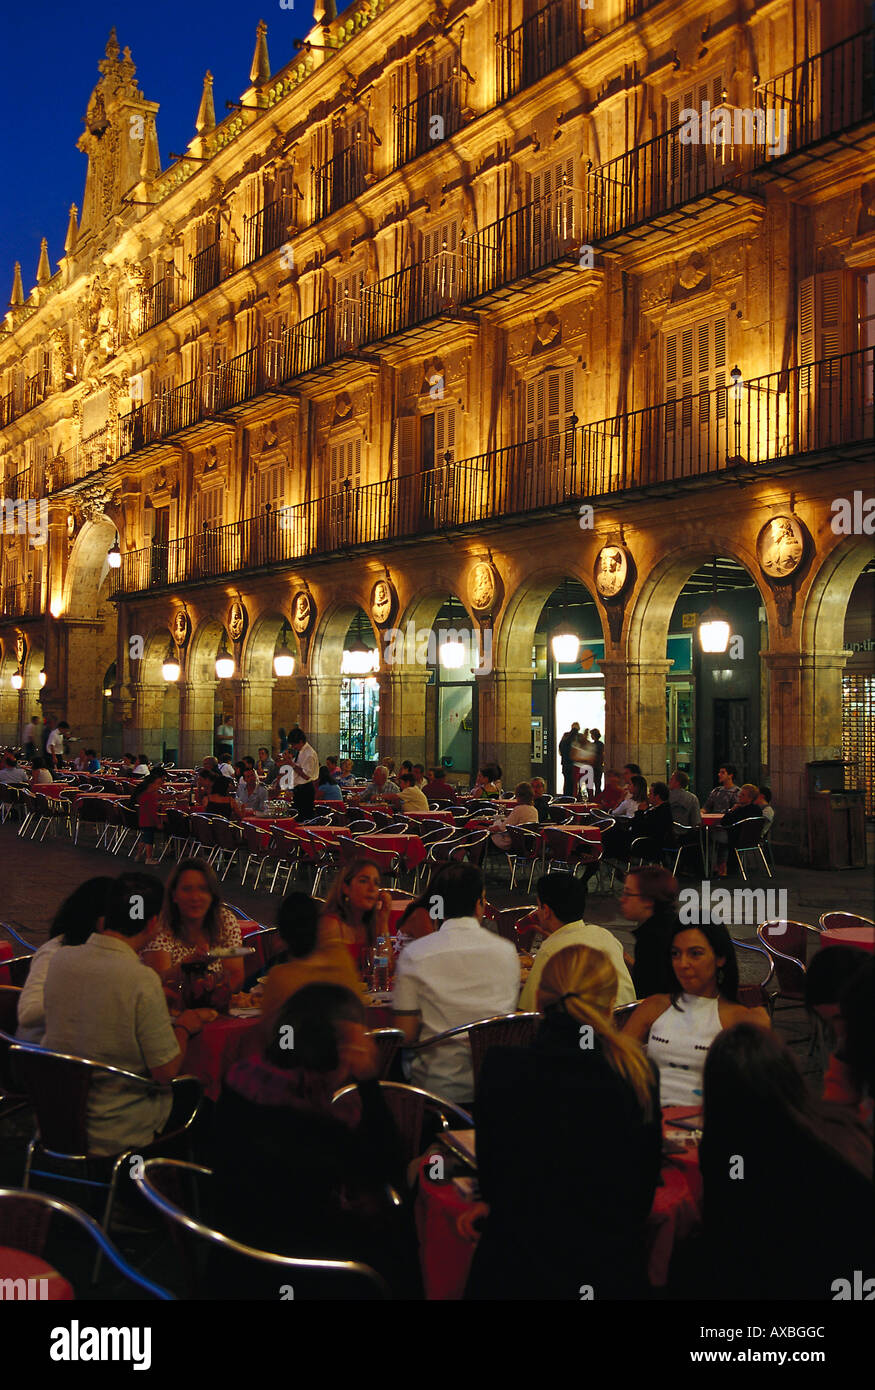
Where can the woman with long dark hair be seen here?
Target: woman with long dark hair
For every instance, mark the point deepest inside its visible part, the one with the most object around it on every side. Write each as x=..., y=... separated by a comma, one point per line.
x=356, y=910
x=78, y=916
x=194, y=923
x=678, y=1028
x=774, y=1158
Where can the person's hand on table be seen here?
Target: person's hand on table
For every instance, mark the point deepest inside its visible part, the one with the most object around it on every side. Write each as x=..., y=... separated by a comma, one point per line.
x=193, y=1020
x=465, y=1221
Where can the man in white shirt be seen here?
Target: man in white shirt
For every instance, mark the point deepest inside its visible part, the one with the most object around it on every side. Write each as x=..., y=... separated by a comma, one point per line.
x=380, y=787
x=305, y=773
x=457, y=975
x=410, y=798
x=11, y=775
x=55, y=743
x=561, y=905
x=102, y=1002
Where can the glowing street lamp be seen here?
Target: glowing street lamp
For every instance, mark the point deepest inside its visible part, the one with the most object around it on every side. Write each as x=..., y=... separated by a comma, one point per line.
x=451, y=653
x=714, y=624
x=42, y=678
x=284, y=661
x=170, y=667
x=17, y=681
x=224, y=662
x=114, y=555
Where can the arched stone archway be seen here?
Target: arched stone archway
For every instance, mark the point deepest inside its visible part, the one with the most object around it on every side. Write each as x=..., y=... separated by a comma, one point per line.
x=156, y=702
x=82, y=649
x=267, y=701
x=197, y=693
x=320, y=684
x=506, y=691
x=637, y=681
x=412, y=720
x=17, y=707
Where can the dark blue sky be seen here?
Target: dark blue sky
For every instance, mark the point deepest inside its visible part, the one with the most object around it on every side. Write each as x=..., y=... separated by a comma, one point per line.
x=51, y=51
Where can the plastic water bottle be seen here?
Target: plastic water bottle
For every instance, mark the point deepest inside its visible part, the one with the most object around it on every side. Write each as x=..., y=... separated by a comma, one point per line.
x=380, y=979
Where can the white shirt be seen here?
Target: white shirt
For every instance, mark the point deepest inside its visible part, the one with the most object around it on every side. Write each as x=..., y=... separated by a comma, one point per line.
x=225, y=768
x=306, y=766
x=142, y=770
x=31, y=1002
x=103, y=1003
x=55, y=742
x=579, y=934
x=457, y=975
x=678, y=1044
x=17, y=776
x=626, y=808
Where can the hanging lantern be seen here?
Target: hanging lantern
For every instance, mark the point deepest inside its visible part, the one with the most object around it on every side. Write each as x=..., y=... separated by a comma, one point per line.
x=17, y=681
x=714, y=624
x=42, y=678
x=224, y=662
x=170, y=667
x=452, y=653
x=114, y=555
x=284, y=661
x=565, y=645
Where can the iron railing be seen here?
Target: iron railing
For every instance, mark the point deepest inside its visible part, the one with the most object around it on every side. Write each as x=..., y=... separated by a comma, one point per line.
x=339, y=180
x=267, y=229
x=432, y=116
x=782, y=415
x=546, y=39
x=22, y=600
x=206, y=270
x=824, y=94
x=158, y=302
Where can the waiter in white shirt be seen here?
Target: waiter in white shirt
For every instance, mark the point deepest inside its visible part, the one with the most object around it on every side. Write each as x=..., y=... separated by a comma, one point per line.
x=305, y=771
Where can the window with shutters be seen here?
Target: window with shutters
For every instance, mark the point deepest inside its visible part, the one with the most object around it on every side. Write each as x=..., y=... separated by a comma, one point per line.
x=549, y=403
x=209, y=509
x=695, y=374
x=547, y=408
x=438, y=270
x=348, y=310
x=551, y=222
x=866, y=329
x=692, y=167
x=828, y=310
x=439, y=105
x=270, y=489
x=344, y=477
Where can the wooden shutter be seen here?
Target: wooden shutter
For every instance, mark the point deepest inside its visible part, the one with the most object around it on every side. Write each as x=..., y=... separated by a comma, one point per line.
x=694, y=361
x=445, y=434
x=270, y=486
x=209, y=508
x=549, y=403
x=440, y=261
x=405, y=445
x=827, y=315
x=345, y=461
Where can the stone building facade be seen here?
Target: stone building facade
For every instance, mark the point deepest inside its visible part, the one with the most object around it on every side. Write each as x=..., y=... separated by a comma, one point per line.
x=465, y=302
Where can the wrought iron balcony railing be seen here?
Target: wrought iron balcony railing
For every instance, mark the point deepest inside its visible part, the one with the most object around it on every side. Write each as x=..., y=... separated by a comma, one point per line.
x=784, y=415
x=826, y=93
x=553, y=35
x=22, y=600
x=432, y=116
x=340, y=180
x=267, y=229
x=159, y=301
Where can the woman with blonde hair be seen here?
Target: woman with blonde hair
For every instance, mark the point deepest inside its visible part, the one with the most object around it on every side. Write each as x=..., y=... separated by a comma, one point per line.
x=573, y=1122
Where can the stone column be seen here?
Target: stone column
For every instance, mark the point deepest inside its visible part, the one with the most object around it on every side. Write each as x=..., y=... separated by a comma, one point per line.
x=805, y=724
x=635, y=715
x=196, y=722
x=505, y=723
x=319, y=717
x=146, y=730
x=253, y=715
x=402, y=714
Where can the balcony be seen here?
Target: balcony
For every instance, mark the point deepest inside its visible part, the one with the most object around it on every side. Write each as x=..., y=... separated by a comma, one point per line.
x=547, y=39
x=23, y=600
x=525, y=243
x=340, y=180
x=268, y=228
x=409, y=298
x=206, y=270
x=779, y=421
x=433, y=116
x=158, y=302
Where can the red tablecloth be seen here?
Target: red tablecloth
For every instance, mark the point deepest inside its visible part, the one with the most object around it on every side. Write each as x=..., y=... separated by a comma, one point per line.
x=410, y=847
x=710, y=818
x=861, y=937
x=213, y=1051
x=265, y=822
x=6, y=953
x=19, y=1264
x=445, y=1257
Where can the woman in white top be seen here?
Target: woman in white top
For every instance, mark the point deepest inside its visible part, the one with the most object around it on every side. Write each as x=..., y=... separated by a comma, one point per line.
x=679, y=1028
x=75, y=920
x=524, y=813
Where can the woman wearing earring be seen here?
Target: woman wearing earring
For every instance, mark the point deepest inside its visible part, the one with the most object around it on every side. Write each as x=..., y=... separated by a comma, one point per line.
x=678, y=1028
x=356, y=912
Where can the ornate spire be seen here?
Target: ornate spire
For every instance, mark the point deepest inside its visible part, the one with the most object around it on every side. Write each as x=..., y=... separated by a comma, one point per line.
x=43, y=270
x=259, y=73
x=324, y=11
x=206, y=116
x=17, y=288
x=72, y=231
x=150, y=161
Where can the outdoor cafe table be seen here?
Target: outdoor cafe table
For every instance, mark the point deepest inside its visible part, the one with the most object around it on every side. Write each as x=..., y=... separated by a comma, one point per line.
x=861, y=937
x=5, y=954
x=410, y=847
x=212, y=1052
x=20, y=1264
x=445, y=1256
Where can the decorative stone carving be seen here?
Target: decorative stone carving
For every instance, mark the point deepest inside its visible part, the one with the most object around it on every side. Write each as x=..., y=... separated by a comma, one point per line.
x=20, y=647
x=237, y=620
x=383, y=602
x=612, y=571
x=303, y=612
x=482, y=585
x=547, y=329
x=181, y=628
x=94, y=501
x=781, y=547
x=694, y=272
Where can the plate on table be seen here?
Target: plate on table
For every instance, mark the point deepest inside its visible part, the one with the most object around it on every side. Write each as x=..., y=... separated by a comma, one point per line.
x=231, y=952
x=244, y=1013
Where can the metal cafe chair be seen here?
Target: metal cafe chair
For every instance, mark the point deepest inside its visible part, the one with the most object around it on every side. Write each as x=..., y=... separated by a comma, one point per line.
x=410, y=1106
x=787, y=944
x=255, y=840
x=32, y=1222
x=177, y=831
x=756, y=995
x=686, y=838
x=12, y=1097
x=745, y=837
x=203, y=836
x=388, y=1041
x=525, y=848
x=229, y=844
x=501, y=1030
x=58, y=1087
x=839, y=921
x=215, y=1265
